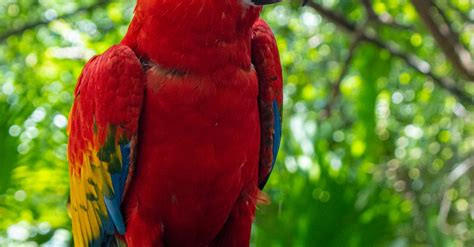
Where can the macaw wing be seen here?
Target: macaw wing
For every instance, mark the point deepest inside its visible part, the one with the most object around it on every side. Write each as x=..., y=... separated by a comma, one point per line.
x=102, y=132
x=266, y=60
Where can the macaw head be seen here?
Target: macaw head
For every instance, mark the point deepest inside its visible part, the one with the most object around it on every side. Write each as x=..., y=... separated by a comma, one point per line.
x=202, y=15
x=211, y=2
x=183, y=33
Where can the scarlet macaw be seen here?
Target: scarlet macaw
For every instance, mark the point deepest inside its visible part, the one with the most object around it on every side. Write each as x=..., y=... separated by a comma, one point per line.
x=174, y=131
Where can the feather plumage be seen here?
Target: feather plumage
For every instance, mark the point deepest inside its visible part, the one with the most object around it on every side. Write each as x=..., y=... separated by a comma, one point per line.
x=102, y=127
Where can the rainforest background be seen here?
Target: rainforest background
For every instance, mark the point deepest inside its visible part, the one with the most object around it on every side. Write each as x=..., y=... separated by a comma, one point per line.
x=378, y=144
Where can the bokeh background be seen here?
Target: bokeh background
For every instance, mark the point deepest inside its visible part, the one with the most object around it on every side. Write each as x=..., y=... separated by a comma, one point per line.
x=378, y=143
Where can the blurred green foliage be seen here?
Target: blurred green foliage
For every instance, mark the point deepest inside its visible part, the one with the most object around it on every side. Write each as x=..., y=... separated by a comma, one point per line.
x=382, y=160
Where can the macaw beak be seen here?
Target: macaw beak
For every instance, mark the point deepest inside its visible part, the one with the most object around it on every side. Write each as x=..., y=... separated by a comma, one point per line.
x=264, y=2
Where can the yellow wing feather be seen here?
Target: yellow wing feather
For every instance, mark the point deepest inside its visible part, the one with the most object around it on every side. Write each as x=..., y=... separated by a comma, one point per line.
x=86, y=202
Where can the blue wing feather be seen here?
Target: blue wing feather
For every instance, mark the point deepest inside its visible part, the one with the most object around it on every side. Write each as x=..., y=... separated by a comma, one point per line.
x=276, y=140
x=118, y=182
x=277, y=131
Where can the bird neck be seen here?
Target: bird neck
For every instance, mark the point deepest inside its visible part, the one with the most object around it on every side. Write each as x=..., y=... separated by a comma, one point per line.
x=204, y=41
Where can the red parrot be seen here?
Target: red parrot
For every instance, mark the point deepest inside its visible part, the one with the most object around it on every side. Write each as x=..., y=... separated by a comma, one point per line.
x=174, y=131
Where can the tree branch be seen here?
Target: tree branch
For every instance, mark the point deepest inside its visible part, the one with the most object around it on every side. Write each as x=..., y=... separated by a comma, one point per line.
x=446, y=38
x=336, y=88
x=386, y=19
x=334, y=17
x=416, y=63
x=445, y=19
x=369, y=10
x=463, y=15
x=424, y=68
x=22, y=29
x=460, y=170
